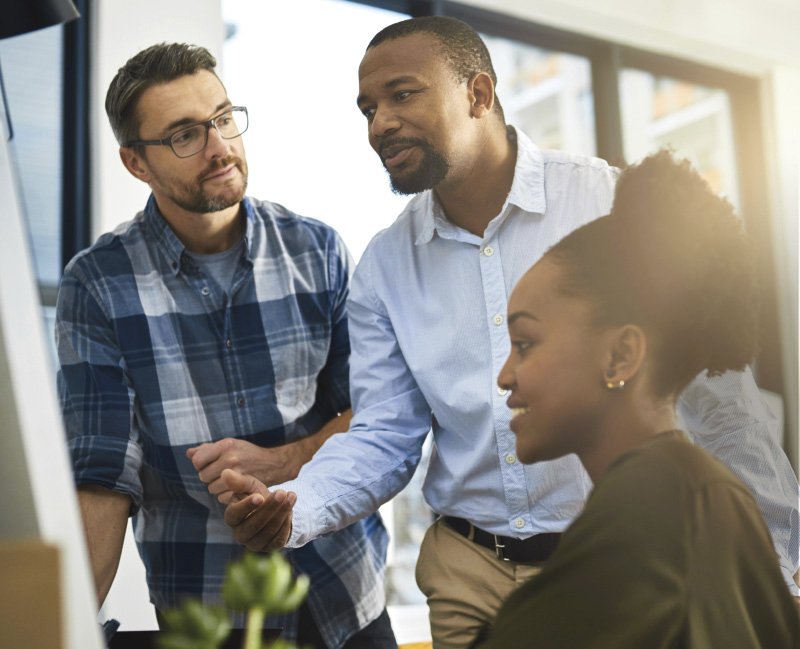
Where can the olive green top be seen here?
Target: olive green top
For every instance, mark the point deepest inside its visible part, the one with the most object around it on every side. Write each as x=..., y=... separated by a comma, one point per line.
x=670, y=551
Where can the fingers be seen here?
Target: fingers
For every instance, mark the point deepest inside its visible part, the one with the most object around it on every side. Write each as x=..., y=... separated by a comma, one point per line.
x=239, y=510
x=217, y=487
x=262, y=523
x=201, y=456
x=212, y=458
x=242, y=483
x=227, y=497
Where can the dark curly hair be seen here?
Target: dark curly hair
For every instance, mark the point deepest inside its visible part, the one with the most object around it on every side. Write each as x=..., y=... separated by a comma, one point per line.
x=156, y=64
x=462, y=47
x=672, y=257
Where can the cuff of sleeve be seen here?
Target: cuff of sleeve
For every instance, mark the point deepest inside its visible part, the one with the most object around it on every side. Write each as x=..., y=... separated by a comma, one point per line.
x=794, y=589
x=308, y=516
x=113, y=463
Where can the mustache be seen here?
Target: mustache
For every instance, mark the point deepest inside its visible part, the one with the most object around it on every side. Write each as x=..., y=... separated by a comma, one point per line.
x=403, y=142
x=218, y=164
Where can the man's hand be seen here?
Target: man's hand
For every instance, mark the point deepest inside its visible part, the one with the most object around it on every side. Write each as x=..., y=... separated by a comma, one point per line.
x=261, y=520
x=269, y=465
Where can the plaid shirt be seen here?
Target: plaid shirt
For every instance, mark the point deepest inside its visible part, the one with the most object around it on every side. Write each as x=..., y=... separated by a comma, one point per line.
x=155, y=358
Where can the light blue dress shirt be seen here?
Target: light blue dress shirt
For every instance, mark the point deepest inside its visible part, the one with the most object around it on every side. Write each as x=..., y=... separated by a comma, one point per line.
x=428, y=335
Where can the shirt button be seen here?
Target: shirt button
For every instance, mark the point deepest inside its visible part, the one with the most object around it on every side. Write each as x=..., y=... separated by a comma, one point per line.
x=205, y=290
x=228, y=343
x=502, y=392
x=240, y=402
x=511, y=459
x=519, y=523
x=498, y=319
x=488, y=251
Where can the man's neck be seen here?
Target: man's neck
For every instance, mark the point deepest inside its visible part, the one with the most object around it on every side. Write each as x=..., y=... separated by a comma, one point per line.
x=208, y=233
x=474, y=200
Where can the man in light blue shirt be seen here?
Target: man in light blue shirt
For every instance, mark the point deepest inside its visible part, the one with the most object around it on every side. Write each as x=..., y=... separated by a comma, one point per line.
x=428, y=336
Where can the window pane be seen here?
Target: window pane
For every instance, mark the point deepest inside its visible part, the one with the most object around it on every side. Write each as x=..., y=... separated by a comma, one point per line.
x=693, y=120
x=546, y=94
x=32, y=75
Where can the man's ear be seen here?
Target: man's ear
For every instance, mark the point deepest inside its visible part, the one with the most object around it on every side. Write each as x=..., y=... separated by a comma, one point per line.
x=481, y=94
x=134, y=163
x=626, y=354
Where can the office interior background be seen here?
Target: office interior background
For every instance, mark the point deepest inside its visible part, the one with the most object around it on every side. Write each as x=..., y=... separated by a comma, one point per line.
x=717, y=80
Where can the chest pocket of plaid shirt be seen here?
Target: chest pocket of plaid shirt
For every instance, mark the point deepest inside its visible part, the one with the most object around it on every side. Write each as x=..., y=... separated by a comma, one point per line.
x=299, y=354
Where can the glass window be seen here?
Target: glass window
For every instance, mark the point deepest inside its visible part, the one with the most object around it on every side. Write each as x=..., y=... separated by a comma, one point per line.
x=32, y=78
x=693, y=120
x=546, y=94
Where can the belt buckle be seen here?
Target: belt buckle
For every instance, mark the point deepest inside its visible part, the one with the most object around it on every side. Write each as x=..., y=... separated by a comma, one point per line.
x=499, y=549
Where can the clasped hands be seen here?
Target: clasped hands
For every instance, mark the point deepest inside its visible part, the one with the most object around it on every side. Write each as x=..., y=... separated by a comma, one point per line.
x=238, y=472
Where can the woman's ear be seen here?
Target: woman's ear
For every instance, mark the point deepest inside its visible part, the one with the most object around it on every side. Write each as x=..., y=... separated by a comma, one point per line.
x=481, y=94
x=626, y=354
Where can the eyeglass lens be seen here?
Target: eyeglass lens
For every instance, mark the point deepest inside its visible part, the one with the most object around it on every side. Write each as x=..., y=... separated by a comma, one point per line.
x=189, y=141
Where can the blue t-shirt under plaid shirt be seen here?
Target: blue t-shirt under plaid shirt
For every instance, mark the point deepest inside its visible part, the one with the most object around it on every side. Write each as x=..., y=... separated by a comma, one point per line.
x=155, y=358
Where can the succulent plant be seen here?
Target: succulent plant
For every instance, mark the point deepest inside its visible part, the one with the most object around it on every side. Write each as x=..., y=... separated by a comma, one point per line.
x=257, y=585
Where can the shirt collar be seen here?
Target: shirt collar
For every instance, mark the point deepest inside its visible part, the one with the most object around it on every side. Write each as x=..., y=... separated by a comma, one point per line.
x=527, y=191
x=173, y=247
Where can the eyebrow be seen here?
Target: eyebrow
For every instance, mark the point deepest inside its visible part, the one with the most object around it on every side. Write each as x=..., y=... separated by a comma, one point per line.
x=188, y=121
x=392, y=83
x=513, y=317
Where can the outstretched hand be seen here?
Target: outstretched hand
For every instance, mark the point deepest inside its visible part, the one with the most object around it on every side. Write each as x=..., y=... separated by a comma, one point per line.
x=261, y=519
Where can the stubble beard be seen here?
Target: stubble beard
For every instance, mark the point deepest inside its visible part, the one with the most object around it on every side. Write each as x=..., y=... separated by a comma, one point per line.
x=432, y=170
x=194, y=197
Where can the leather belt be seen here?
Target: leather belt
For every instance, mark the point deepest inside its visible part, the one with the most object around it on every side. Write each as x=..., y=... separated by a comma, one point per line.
x=534, y=549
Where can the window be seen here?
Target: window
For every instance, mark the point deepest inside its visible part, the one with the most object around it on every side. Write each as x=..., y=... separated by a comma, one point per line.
x=45, y=94
x=547, y=94
x=694, y=120
x=35, y=114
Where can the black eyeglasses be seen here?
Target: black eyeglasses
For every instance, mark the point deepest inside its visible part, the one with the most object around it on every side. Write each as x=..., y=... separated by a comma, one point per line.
x=191, y=140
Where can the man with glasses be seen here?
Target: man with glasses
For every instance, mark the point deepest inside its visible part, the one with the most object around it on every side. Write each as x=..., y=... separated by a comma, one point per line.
x=209, y=332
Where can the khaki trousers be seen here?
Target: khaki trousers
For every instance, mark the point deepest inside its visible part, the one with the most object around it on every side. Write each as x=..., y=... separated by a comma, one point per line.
x=465, y=584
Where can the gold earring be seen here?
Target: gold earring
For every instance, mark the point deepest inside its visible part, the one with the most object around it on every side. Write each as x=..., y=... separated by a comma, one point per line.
x=619, y=385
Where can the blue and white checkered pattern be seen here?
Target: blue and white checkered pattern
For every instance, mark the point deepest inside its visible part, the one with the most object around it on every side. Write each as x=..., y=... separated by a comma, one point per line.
x=156, y=358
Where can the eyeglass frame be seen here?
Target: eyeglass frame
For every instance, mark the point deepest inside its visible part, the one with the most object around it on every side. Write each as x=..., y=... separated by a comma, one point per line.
x=167, y=141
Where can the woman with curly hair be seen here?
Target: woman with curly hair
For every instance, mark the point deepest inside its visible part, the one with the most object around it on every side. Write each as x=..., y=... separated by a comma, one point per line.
x=606, y=330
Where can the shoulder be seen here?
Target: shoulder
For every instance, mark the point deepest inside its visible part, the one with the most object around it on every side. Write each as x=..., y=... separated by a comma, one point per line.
x=290, y=225
x=563, y=168
x=562, y=163
x=405, y=230
x=110, y=254
x=281, y=234
x=665, y=476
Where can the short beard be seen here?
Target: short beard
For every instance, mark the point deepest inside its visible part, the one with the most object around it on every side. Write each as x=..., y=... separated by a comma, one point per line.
x=193, y=198
x=431, y=171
